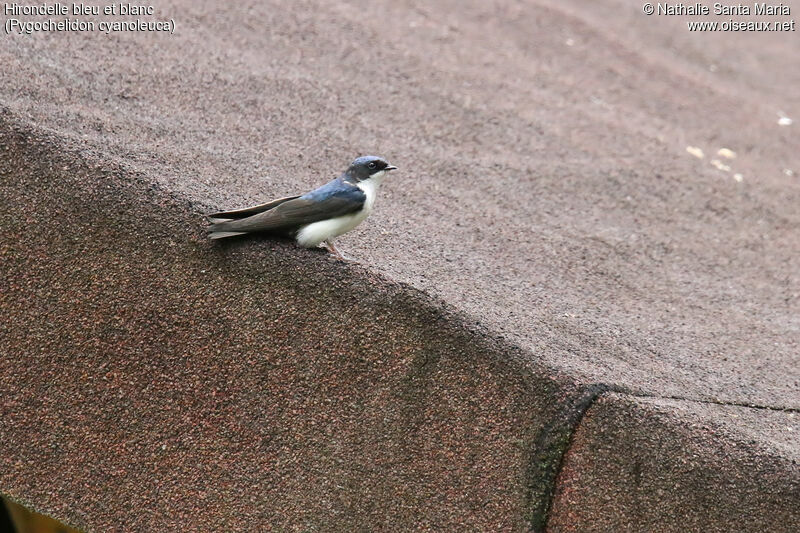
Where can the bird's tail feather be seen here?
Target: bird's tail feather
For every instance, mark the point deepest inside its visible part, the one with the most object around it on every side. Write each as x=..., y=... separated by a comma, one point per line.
x=221, y=229
x=222, y=234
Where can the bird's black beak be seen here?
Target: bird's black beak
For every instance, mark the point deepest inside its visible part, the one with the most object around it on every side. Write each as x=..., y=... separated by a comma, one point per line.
x=390, y=167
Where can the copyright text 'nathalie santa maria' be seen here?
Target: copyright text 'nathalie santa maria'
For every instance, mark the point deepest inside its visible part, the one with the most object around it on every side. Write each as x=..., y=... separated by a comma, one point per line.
x=757, y=16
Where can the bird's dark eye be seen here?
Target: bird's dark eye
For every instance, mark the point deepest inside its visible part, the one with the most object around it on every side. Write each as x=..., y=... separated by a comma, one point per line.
x=371, y=165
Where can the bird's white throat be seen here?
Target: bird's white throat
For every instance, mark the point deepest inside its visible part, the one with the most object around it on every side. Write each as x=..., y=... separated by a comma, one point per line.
x=370, y=187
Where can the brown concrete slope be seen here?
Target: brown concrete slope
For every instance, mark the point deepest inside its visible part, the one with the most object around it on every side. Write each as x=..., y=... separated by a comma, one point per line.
x=667, y=465
x=152, y=381
x=545, y=189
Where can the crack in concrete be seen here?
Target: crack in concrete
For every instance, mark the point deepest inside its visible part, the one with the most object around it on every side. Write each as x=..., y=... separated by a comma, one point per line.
x=714, y=402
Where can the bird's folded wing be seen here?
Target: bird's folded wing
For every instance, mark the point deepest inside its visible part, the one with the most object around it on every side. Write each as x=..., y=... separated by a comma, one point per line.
x=299, y=212
x=237, y=214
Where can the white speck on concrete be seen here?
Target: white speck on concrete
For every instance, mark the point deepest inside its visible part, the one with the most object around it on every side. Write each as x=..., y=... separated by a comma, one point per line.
x=695, y=151
x=720, y=165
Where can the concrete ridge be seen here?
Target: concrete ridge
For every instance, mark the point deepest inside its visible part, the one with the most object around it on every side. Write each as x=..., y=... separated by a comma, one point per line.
x=52, y=151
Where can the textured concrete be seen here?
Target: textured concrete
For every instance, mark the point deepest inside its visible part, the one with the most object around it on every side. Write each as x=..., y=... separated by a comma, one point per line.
x=156, y=380
x=667, y=465
x=546, y=213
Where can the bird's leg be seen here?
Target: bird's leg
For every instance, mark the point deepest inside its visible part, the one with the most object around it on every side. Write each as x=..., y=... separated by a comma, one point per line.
x=339, y=255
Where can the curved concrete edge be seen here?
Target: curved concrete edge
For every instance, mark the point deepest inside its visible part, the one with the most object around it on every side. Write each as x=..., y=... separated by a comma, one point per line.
x=161, y=382
x=650, y=464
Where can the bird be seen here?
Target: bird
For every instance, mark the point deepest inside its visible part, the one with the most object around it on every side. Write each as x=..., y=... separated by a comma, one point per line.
x=316, y=217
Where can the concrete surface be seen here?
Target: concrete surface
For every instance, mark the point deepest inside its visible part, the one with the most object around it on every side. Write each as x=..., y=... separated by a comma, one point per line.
x=160, y=383
x=546, y=202
x=667, y=465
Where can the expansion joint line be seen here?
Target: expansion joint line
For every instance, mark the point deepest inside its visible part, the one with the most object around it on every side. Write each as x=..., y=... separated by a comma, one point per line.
x=711, y=401
x=549, y=449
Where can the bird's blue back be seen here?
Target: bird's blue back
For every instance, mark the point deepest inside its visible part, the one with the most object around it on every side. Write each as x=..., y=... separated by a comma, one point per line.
x=338, y=188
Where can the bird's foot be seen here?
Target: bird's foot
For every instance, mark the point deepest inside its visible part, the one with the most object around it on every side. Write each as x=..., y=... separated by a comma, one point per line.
x=337, y=254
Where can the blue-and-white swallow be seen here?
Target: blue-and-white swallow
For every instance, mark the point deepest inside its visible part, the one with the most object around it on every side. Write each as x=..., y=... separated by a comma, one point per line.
x=314, y=218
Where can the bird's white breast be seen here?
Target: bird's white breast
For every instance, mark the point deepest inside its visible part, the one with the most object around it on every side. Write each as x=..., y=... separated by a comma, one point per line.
x=315, y=233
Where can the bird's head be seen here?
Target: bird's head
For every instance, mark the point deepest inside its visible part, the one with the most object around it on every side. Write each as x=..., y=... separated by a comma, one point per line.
x=368, y=167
